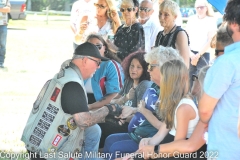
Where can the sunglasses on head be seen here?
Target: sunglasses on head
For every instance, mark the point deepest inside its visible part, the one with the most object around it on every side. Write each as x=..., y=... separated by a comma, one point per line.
x=128, y=9
x=99, y=6
x=99, y=46
x=151, y=66
x=194, y=77
x=200, y=7
x=145, y=9
x=218, y=51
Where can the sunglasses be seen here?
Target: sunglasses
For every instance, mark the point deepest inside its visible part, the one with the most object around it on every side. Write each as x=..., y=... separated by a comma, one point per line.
x=99, y=46
x=99, y=6
x=145, y=9
x=128, y=9
x=194, y=77
x=218, y=51
x=151, y=66
x=98, y=62
x=200, y=7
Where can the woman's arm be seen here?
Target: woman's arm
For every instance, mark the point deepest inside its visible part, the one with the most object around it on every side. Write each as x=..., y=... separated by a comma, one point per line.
x=160, y=135
x=182, y=46
x=105, y=100
x=186, y=146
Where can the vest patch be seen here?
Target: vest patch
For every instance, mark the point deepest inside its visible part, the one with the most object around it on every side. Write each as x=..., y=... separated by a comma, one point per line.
x=63, y=130
x=55, y=94
x=56, y=140
x=43, y=125
x=71, y=123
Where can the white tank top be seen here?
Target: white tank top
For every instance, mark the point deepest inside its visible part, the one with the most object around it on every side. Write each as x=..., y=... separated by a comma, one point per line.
x=192, y=123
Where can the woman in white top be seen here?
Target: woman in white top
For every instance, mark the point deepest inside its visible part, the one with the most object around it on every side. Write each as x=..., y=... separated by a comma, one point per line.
x=177, y=110
x=201, y=28
x=105, y=21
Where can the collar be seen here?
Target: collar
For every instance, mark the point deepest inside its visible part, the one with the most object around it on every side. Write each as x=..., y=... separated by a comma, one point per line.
x=231, y=47
x=76, y=69
x=148, y=23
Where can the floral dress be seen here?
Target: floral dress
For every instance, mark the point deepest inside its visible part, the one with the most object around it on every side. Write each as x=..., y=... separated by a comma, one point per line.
x=129, y=39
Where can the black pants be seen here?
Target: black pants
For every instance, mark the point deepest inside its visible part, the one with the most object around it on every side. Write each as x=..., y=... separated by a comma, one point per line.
x=169, y=138
x=34, y=156
x=110, y=128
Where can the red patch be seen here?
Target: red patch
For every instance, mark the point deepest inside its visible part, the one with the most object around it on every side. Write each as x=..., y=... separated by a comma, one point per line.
x=56, y=140
x=55, y=94
x=102, y=85
x=71, y=158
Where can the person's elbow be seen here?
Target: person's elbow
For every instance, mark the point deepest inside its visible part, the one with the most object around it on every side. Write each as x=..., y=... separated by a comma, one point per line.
x=204, y=116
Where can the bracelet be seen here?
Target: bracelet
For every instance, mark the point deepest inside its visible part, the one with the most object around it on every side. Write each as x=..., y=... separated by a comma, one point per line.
x=156, y=149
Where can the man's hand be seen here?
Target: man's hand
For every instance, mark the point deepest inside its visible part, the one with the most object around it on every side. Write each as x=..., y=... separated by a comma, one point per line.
x=126, y=112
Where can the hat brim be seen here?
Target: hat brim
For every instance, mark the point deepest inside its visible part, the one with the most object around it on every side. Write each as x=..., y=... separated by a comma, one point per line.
x=104, y=58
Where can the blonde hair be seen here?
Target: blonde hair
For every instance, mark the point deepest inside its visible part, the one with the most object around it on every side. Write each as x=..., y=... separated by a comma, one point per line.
x=201, y=76
x=112, y=7
x=210, y=11
x=169, y=5
x=162, y=54
x=174, y=86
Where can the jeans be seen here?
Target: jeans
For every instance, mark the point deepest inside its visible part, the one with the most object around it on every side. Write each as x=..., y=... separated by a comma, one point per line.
x=118, y=144
x=3, y=40
x=203, y=61
x=92, y=137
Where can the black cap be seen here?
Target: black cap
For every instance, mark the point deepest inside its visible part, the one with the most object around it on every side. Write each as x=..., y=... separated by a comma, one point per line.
x=89, y=49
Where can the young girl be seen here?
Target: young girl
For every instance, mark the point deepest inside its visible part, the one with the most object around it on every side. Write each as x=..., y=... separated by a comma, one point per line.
x=177, y=110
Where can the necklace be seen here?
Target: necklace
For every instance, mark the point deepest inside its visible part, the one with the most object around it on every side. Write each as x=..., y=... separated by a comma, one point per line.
x=171, y=29
x=164, y=37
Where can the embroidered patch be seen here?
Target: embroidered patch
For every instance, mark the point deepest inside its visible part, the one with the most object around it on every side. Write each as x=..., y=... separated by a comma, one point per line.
x=61, y=74
x=52, y=149
x=55, y=94
x=56, y=140
x=63, y=130
x=71, y=123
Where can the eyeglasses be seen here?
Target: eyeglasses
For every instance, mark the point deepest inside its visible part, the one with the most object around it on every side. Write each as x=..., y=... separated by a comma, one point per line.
x=200, y=7
x=99, y=46
x=194, y=77
x=164, y=15
x=145, y=9
x=98, y=62
x=218, y=51
x=151, y=66
x=99, y=6
x=128, y=9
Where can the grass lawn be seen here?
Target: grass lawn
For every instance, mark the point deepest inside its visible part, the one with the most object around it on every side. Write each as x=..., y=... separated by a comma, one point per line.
x=35, y=51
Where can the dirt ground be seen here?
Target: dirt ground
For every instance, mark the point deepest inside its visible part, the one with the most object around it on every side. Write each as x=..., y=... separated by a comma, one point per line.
x=35, y=52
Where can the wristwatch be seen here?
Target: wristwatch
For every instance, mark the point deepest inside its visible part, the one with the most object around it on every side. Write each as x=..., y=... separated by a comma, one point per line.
x=156, y=149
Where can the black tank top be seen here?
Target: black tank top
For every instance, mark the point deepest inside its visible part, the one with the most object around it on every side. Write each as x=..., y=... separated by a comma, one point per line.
x=169, y=39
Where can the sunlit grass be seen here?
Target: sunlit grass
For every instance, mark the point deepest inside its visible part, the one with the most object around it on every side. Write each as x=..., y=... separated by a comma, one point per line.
x=35, y=51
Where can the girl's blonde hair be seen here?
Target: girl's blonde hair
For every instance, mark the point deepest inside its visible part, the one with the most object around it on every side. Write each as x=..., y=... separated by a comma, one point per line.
x=201, y=76
x=169, y=5
x=174, y=86
x=210, y=11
